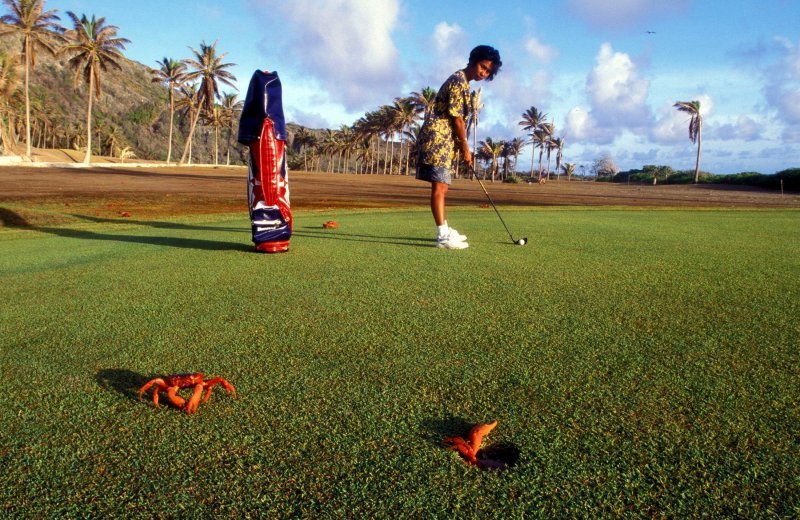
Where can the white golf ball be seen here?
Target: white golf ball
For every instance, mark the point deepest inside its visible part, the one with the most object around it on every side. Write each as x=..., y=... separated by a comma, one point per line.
x=522, y=241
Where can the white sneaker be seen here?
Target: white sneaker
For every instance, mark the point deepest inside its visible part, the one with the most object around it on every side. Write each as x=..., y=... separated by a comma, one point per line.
x=450, y=242
x=455, y=235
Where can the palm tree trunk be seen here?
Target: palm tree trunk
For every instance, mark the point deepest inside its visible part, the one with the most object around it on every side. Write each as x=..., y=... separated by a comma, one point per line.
x=541, y=150
x=27, y=96
x=171, y=118
x=216, y=146
x=533, y=156
x=88, y=157
x=385, y=156
x=188, y=146
x=391, y=157
x=699, y=144
x=408, y=151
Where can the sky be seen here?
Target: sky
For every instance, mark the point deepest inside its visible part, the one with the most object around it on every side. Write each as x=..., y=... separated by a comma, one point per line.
x=607, y=72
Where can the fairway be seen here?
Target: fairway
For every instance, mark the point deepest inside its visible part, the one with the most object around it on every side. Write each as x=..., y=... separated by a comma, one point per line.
x=642, y=362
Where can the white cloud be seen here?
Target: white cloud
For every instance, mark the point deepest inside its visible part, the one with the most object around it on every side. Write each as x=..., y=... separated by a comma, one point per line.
x=539, y=51
x=452, y=52
x=618, y=100
x=745, y=128
x=673, y=125
x=579, y=124
x=345, y=44
x=445, y=35
x=782, y=87
x=615, y=14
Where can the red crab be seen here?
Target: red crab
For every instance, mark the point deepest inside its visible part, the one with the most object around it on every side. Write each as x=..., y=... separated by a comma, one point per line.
x=172, y=383
x=468, y=448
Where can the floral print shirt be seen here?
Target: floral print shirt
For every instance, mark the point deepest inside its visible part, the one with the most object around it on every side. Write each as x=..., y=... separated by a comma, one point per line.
x=437, y=143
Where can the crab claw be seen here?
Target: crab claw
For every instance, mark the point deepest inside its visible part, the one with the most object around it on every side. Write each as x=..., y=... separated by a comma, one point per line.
x=218, y=381
x=160, y=385
x=194, y=401
x=478, y=432
x=462, y=447
x=176, y=400
x=468, y=449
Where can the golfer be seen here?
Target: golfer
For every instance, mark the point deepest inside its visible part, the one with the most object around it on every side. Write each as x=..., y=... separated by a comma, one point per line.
x=444, y=135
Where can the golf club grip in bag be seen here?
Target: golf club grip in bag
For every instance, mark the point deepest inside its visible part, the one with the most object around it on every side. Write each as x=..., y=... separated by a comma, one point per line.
x=263, y=129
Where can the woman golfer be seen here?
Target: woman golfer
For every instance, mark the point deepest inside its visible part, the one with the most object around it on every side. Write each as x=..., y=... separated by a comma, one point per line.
x=444, y=135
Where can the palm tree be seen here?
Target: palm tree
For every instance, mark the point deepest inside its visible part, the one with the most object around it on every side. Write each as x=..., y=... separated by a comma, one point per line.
x=9, y=84
x=215, y=118
x=405, y=114
x=171, y=74
x=94, y=47
x=411, y=138
x=369, y=128
x=424, y=100
x=539, y=139
x=491, y=150
x=515, y=147
x=38, y=29
x=209, y=69
x=532, y=119
x=328, y=146
x=558, y=145
x=348, y=141
x=695, y=129
x=568, y=169
x=506, y=155
x=302, y=139
x=384, y=122
x=476, y=105
x=232, y=109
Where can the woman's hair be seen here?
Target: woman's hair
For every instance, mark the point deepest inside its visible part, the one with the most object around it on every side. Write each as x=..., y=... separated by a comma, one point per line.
x=485, y=52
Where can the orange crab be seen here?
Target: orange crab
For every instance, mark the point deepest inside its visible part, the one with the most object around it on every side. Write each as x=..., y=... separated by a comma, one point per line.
x=468, y=448
x=172, y=383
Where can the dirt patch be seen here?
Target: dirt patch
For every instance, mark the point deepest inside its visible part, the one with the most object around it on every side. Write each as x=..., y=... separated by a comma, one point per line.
x=165, y=191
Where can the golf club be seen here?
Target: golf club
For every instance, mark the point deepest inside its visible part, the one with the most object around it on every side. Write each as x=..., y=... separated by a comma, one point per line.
x=521, y=241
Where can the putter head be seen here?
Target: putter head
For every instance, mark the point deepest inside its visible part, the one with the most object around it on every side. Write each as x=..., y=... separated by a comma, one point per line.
x=521, y=241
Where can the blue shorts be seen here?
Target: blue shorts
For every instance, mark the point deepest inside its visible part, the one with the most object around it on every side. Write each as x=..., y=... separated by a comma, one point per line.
x=426, y=172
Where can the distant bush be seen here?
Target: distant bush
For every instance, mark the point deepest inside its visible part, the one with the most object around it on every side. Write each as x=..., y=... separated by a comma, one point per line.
x=790, y=177
x=512, y=180
x=144, y=114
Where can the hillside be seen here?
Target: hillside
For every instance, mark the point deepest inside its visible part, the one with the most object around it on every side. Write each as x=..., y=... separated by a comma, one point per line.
x=132, y=111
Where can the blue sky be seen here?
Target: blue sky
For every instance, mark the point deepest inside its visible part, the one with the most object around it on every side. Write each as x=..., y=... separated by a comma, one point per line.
x=606, y=71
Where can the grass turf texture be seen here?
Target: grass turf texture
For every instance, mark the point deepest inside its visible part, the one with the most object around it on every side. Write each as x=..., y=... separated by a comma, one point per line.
x=643, y=362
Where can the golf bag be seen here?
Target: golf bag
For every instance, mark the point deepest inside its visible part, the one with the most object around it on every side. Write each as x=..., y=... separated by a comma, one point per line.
x=263, y=129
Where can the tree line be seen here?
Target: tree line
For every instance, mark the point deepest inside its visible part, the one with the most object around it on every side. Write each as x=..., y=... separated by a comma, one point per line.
x=382, y=141
x=91, y=47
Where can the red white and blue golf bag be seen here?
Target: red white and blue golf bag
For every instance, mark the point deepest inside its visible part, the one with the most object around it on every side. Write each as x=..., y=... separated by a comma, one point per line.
x=263, y=129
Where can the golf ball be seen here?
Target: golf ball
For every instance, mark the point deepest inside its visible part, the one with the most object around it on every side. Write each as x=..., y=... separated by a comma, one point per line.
x=522, y=241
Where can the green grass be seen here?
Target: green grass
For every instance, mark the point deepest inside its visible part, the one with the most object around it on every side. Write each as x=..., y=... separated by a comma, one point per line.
x=644, y=363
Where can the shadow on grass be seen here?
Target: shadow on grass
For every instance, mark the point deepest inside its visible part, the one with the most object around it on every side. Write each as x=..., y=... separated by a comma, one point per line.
x=12, y=218
x=499, y=455
x=121, y=380
x=157, y=224
x=186, y=243
x=313, y=232
x=435, y=430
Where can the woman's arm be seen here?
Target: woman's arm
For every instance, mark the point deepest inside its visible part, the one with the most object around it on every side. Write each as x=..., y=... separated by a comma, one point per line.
x=461, y=139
